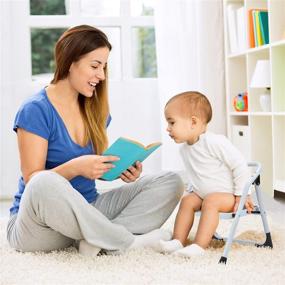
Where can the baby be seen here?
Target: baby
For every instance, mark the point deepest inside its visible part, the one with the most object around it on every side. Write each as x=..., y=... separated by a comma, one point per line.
x=218, y=173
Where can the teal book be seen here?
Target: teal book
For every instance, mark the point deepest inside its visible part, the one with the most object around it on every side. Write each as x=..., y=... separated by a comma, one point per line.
x=129, y=152
x=263, y=19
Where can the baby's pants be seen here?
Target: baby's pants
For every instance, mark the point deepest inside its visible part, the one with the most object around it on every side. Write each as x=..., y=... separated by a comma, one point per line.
x=52, y=214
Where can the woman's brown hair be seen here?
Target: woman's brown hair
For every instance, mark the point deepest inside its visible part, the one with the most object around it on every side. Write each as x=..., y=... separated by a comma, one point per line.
x=70, y=47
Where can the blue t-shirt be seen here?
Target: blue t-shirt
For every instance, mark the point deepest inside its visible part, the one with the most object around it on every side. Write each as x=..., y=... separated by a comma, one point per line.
x=38, y=116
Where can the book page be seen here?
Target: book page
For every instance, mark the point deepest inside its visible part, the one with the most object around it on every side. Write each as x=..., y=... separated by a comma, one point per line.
x=141, y=145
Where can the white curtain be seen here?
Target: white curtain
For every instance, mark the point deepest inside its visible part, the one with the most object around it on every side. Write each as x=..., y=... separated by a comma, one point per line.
x=15, y=86
x=190, y=56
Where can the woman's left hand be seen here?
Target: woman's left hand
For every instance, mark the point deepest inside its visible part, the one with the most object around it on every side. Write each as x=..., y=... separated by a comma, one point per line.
x=132, y=173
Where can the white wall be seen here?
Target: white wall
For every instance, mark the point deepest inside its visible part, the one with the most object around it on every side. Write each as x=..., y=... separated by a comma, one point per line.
x=134, y=108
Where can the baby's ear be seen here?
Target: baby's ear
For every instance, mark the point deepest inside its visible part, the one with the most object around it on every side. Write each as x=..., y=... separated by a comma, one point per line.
x=194, y=120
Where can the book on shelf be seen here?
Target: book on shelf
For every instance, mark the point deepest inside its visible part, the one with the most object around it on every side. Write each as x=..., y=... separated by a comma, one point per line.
x=250, y=30
x=258, y=33
x=129, y=151
x=254, y=29
x=241, y=29
x=236, y=28
x=258, y=27
x=263, y=19
x=232, y=27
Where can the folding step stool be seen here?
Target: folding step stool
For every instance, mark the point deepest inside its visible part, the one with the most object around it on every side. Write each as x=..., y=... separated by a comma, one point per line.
x=258, y=210
x=241, y=212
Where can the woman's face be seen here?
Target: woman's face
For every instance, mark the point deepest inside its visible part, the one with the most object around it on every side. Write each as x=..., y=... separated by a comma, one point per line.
x=87, y=72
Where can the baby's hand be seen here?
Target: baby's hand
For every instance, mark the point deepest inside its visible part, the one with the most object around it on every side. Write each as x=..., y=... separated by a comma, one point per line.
x=248, y=203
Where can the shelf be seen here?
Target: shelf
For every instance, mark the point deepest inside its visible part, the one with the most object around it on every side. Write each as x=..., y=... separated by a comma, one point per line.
x=238, y=54
x=279, y=43
x=265, y=131
x=279, y=113
x=252, y=50
x=257, y=113
x=260, y=114
x=258, y=49
x=239, y=113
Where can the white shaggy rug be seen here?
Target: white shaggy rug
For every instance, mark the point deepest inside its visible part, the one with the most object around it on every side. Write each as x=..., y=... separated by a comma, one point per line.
x=246, y=264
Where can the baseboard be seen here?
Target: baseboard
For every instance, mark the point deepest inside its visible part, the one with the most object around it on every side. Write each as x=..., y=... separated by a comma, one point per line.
x=279, y=194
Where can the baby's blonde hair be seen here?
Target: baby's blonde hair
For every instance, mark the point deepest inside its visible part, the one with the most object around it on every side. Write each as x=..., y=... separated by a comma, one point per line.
x=195, y=104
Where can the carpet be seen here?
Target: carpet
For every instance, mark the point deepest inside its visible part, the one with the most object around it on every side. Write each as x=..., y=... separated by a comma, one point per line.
x=246, y=264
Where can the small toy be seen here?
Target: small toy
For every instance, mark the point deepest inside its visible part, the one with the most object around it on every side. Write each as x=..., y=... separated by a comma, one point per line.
x=240, y=102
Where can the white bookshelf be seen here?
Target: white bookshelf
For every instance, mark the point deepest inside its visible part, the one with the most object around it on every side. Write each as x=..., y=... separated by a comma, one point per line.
x=262, y=133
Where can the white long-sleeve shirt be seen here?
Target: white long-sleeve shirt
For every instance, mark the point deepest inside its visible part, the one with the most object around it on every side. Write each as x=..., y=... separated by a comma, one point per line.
x=213, y=164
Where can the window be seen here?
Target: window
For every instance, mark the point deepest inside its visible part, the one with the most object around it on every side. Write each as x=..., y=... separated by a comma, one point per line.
x=42, y=42
x=47, y=7
x=142, y=7
x=144, y=56
x=128, y=25
x=100, y=8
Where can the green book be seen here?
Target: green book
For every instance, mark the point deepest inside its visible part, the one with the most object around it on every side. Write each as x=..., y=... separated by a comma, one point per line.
x=129, y=152
x=258, y=29
x=254, y=28
x=263, y=19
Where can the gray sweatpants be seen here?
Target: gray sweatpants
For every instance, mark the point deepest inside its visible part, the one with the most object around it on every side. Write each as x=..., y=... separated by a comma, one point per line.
x=52, y=214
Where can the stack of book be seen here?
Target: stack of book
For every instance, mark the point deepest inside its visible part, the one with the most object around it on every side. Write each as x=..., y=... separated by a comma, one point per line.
x=258, y=33
x=258, y=27
x=236, y=28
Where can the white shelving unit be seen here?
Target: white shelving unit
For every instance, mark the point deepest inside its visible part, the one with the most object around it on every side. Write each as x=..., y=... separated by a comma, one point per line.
x=261, y=135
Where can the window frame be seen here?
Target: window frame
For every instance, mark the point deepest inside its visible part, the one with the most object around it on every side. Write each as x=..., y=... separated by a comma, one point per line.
x=125, y=22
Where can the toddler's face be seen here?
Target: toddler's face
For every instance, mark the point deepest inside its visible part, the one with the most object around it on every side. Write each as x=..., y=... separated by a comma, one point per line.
x=179, y=125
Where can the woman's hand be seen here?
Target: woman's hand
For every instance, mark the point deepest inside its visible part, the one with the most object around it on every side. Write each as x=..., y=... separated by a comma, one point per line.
x=248, y=203
x=132, y=173
x=93, y=166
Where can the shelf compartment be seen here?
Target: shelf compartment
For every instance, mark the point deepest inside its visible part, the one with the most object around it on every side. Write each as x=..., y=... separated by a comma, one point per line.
x=238, y=119
x=254, y=93
x=236, y=78
x=241, y=139
x=261, y=148
x=279, y=152
x=276, y=20
x=278, y=78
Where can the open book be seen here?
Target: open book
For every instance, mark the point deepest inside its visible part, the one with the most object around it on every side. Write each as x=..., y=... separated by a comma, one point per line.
x=129, y=152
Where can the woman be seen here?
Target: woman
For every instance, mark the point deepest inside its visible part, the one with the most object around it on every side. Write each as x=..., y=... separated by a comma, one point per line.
x=61, y=136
